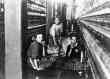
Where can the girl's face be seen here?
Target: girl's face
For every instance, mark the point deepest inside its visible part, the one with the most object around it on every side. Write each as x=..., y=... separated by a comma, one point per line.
x=57, y=21
x=73, y=39
x=39, y=38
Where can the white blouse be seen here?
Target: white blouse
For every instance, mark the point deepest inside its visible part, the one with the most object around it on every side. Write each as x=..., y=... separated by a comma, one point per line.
x=55, y=30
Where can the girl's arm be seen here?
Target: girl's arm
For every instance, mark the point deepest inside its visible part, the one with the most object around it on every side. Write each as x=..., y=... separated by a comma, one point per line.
x=36, y=63
x=32, y=63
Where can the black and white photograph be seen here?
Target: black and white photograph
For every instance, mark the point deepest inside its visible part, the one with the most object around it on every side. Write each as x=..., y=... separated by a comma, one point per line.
x=54, y=39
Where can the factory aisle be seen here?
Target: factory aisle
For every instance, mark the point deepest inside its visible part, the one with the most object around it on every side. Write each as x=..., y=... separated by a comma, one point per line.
x=57, y=71
x=54, y=74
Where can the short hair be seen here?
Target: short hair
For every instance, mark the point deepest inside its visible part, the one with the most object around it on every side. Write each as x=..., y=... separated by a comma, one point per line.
x=35, y=35
x=38, y=34
x=72, y=35
x=59, y=17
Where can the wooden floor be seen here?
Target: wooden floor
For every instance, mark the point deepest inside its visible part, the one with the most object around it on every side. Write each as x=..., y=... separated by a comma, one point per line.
x=53, y=73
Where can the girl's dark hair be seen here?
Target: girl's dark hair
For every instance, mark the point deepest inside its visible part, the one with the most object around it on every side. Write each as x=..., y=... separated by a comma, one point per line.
x=35, y=36
x=59, y=17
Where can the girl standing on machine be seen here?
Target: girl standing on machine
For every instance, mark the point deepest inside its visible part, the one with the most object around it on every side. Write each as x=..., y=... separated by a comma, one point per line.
x=56, y=31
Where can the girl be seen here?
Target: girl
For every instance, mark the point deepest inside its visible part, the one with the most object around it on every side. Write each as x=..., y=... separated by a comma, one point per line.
x=56, y=30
